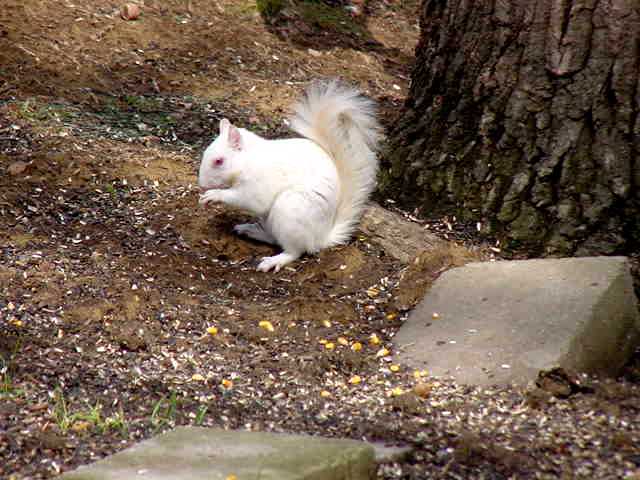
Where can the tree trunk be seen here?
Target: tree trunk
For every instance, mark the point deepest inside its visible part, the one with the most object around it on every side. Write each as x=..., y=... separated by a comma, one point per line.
x=524, y=114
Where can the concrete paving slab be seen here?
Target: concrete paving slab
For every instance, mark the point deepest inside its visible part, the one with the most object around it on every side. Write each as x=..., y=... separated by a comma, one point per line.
x=194, y=453
x=503, y=322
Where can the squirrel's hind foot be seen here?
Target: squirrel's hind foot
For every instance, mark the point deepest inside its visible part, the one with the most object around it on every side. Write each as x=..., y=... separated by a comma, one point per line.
x=276, y=262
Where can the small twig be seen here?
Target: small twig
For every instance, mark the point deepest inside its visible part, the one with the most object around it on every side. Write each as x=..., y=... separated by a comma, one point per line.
x=29, y=52
x=446, y=468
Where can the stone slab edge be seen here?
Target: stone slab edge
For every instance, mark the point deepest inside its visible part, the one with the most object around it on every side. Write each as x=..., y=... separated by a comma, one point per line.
x=197, y=453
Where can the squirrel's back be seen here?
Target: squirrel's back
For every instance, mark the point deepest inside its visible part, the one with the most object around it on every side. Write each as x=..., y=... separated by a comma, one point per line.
x=343, y=122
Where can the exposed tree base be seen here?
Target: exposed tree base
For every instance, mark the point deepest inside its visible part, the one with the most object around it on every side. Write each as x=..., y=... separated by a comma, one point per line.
x=525, y=115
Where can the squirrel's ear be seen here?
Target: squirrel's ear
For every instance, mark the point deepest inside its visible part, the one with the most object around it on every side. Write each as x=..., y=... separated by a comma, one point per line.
x=224, y=125
x=234, y=138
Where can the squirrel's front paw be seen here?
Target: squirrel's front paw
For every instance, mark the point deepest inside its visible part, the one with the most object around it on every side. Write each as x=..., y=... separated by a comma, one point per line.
x=210, y=196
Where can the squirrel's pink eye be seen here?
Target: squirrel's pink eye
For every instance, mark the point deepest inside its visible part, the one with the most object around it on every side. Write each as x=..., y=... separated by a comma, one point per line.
x=218, y=161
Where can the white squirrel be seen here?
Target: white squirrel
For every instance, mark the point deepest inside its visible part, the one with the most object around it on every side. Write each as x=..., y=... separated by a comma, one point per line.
x=308, y=193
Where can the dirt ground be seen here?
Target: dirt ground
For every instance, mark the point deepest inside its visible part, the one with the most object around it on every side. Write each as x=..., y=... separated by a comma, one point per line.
x=125, y=309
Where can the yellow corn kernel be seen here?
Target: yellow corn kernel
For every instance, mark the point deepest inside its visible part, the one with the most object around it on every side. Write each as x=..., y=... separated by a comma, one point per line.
x=80, y=426
x=383, y=352
x=228, y=384
x=266, y=325
x=16, y=322
x=396, y=392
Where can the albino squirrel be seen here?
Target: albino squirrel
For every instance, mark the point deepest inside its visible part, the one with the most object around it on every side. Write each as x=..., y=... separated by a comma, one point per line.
x=308, y=193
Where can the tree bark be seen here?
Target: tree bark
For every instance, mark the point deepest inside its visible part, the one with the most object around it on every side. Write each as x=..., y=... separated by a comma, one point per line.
x=524, y=114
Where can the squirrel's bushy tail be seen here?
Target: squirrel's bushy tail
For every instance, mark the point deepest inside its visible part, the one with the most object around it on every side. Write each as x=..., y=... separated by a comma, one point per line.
x=343, y=122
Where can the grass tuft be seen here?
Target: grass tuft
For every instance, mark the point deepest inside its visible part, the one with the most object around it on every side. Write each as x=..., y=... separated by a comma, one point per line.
x=269, y=9
x=84, y=420
x=164, y=412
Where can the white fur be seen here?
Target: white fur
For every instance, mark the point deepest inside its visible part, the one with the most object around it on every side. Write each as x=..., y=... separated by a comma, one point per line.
x=308, y=193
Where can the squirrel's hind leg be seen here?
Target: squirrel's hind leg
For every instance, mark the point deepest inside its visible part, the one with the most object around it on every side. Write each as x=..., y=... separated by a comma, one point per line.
x=298, y=221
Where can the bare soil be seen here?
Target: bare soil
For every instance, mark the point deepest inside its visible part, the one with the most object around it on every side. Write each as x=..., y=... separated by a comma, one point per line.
x=126, y=310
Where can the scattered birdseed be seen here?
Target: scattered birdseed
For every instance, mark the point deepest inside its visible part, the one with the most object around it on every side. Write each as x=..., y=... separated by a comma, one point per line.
x=134, y=354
